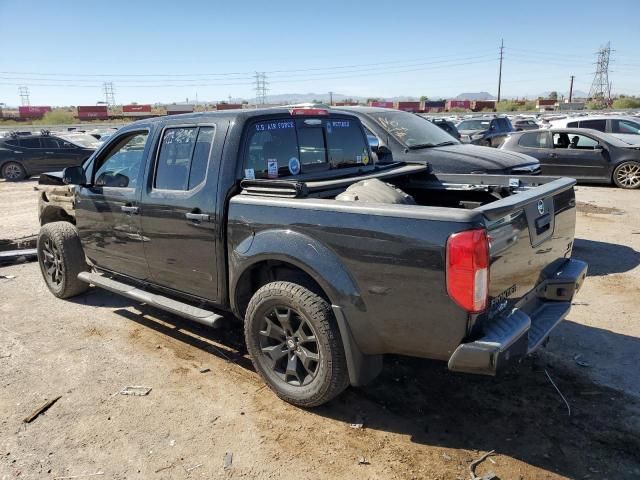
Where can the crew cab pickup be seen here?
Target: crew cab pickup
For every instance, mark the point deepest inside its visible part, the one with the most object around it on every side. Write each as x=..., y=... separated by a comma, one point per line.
x=286, y=220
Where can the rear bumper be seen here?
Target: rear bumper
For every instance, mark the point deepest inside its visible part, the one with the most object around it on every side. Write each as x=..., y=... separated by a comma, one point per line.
x=526, y=327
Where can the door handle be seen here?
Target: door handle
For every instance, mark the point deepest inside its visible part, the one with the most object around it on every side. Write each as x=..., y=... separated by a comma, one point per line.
x=197, y=217
x=49, y=153
x=130, y=210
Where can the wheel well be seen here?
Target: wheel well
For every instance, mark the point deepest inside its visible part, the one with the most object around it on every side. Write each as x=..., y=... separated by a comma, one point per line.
x=269, y=271
x=55, y=214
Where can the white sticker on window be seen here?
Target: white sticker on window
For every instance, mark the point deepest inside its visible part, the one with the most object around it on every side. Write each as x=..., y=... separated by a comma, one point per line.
x=514, y=182
x=272, y=168
x=359, y=158
x=249, y=173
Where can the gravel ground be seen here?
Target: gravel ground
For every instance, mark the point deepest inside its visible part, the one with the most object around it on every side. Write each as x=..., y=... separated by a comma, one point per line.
x=207, y=403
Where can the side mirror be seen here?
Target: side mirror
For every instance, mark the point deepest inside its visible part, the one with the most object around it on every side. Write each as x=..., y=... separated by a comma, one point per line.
x=74, y=176
x=374, y=143
x=598, y=147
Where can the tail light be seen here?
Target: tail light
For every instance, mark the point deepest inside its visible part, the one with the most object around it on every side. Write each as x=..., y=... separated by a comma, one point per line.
x=468, y=269
x=311, y=112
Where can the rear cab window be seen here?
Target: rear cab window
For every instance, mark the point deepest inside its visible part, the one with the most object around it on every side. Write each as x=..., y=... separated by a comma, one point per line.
x=287, y=147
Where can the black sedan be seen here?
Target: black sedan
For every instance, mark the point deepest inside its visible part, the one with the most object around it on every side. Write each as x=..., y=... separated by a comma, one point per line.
x=584, y=154
x=23, y=156
x=407, y=137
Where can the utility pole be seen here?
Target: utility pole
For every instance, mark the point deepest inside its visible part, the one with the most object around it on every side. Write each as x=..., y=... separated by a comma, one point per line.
x=24, y=95
x=571, y=88
x=500, y=71
x=330, y=99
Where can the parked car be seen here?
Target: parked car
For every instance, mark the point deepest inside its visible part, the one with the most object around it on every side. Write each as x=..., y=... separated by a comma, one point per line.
x=406, y=137
x=23, y=156
x=520, y=124
x=447, y=126
x=284, y=219
x=584, y=154
x=488, y=132
x=623, y=127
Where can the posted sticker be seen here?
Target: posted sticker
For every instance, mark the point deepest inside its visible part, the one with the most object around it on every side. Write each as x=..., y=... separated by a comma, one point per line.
x=365, y=159
x=272, y=168
x=249, y=173
x=294, y=166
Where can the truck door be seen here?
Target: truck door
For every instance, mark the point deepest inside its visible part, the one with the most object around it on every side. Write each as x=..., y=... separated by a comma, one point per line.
x=179, y=220
x=107, y=208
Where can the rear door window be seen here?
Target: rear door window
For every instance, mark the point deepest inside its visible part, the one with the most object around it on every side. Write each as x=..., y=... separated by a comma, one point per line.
x=572, y=124
x=600, y=125
x=50, y=143
x=30, y=142
x=288, y=147
x=534, y=140
x=183, y=158
x=625, y=126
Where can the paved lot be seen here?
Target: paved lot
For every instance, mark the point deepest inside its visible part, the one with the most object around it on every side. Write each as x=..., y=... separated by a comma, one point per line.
x=420, y=421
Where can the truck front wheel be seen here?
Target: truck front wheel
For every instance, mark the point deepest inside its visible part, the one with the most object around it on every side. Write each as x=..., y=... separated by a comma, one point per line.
x=61, y=259
x=295, y=345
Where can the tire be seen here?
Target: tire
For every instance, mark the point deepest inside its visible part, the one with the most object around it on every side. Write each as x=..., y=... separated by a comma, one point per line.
x=627, y=175
x=61, y=259
x=13, y=172
x=295, y=345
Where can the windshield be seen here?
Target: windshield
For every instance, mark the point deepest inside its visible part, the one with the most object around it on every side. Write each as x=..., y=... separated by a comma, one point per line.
x=412, y=130
x=474, y=125
x=81, y=140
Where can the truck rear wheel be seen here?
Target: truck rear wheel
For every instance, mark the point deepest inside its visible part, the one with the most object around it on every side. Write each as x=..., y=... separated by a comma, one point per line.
x=61, y=259
x=295, y=344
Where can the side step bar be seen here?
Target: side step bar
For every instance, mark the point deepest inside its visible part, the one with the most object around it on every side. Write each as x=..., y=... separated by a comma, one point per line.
x=167, y=304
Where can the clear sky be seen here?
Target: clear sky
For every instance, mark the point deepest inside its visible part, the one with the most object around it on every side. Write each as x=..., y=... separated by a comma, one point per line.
x=158, y=51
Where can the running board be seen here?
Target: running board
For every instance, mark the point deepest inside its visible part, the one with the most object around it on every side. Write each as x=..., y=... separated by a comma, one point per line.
x=167, y=304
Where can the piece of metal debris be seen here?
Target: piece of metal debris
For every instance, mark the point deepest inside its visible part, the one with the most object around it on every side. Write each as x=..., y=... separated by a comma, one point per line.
x=205, y=370
x=558, y=390
x=358, y=423
x=363, y=461
x=7, y=277
x=38, y=411
x=228, y=460
x=17, y=256
x=190, y=469
x=475, y=463
x=136, y=390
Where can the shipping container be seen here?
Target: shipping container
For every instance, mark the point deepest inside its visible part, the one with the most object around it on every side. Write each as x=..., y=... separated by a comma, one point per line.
x=546, y=103
x=381, y=104
x=33, y=112
x=228, y=106
x=433, y=109
x=408, y=106
x=345, y=104
x=93, y=112
x=461, y=104
x=177, y=109
x=479, y=105
x=136, y=110
x=433, y=104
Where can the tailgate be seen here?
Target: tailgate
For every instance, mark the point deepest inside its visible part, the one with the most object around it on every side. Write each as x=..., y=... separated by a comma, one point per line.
x=527, y=232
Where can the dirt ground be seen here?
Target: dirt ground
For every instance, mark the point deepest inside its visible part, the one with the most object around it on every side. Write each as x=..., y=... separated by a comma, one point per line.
x=420, y=421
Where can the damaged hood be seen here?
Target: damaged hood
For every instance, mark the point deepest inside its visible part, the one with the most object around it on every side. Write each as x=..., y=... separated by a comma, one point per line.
x=472, y=159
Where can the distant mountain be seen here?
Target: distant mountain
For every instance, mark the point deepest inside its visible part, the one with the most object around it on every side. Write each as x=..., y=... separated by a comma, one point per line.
x=475, y=96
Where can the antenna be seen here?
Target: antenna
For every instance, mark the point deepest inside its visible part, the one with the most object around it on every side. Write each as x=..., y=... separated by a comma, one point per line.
x=601, y=88
x=24, y=95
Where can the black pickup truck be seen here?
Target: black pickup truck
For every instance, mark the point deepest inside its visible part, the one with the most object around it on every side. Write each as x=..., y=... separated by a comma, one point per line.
x=285, y=219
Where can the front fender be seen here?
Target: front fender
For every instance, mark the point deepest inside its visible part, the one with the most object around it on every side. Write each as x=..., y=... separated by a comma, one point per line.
x=305, y=253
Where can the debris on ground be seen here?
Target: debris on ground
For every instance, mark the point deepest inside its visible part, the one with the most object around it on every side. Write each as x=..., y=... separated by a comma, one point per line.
x=205, y=370
x=558, y=390
x=358, y=423
x=7, y=277
x=136, y=390
x=228, y=460
x=475, y=463
x=446, y=456
x=82, y=475
x=5, y=355
x=363, y=461
x=40, y=410
x=165, y=468
x=18, y=256
x=190, y=469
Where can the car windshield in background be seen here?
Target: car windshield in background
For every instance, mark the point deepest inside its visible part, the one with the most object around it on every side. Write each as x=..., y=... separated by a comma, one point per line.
x=413, y=130
x=81, y=140
x=474, y=125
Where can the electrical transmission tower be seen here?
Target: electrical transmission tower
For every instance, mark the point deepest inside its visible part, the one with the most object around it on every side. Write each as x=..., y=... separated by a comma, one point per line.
x=24, y=95
x=261, y=87
x=109, y=93
x=601, y=88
